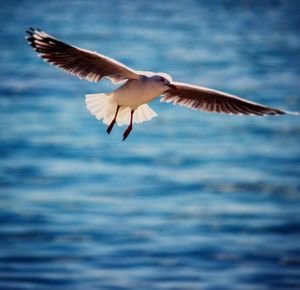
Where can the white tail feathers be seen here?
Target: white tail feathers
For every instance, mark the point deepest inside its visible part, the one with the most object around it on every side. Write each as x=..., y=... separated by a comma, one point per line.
x=104, y=107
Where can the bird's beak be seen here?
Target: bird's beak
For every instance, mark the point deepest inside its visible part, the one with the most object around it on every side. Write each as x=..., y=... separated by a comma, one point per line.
x=172, y=87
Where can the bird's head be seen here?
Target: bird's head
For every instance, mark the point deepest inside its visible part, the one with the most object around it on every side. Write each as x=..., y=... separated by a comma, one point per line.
x=164, y=81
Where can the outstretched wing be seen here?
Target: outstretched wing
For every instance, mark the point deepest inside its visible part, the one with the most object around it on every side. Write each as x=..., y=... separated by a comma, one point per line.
x=85, y=64
x=200, y=98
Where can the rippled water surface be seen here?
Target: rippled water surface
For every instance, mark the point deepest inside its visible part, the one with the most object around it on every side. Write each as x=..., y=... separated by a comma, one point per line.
x=191, y=200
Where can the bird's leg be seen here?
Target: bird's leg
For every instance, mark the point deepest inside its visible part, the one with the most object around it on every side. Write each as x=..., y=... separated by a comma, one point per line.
x=109, y=128
x=128, y=130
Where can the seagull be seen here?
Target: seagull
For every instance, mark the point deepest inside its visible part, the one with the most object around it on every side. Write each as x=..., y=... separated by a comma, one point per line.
x=128, y=104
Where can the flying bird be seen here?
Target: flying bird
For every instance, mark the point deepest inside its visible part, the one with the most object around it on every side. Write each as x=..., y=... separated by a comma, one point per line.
x=128, y=104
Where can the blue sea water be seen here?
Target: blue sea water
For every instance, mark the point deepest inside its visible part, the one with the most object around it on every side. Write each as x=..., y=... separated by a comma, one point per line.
x=191, y=200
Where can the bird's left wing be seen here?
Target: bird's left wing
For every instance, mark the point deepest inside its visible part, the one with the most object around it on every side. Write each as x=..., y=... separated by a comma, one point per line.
x=85, y=64
x=201, y=98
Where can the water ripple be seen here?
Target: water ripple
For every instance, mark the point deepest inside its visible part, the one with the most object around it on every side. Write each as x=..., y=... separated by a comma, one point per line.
x=190, y=200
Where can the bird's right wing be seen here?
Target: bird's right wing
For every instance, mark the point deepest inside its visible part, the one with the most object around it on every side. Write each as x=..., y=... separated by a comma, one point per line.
x=85, y=64
x=205, y=99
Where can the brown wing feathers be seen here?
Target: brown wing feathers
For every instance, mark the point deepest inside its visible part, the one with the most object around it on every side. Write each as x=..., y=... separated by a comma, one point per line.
x=85, y=64
x=204, y=99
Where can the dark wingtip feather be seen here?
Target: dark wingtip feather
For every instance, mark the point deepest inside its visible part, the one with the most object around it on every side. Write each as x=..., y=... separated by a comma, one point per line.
x=31, y=36
x=30, y=31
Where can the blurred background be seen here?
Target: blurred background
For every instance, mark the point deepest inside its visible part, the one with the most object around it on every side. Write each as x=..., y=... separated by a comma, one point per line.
x=191, y=200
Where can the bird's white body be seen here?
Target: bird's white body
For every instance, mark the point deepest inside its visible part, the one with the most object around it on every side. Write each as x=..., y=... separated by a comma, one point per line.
x=135, y=93
x=132, y=95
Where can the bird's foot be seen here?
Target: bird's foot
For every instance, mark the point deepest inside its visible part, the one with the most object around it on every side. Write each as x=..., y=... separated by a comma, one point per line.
x=127, y=132
x=109, y=128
